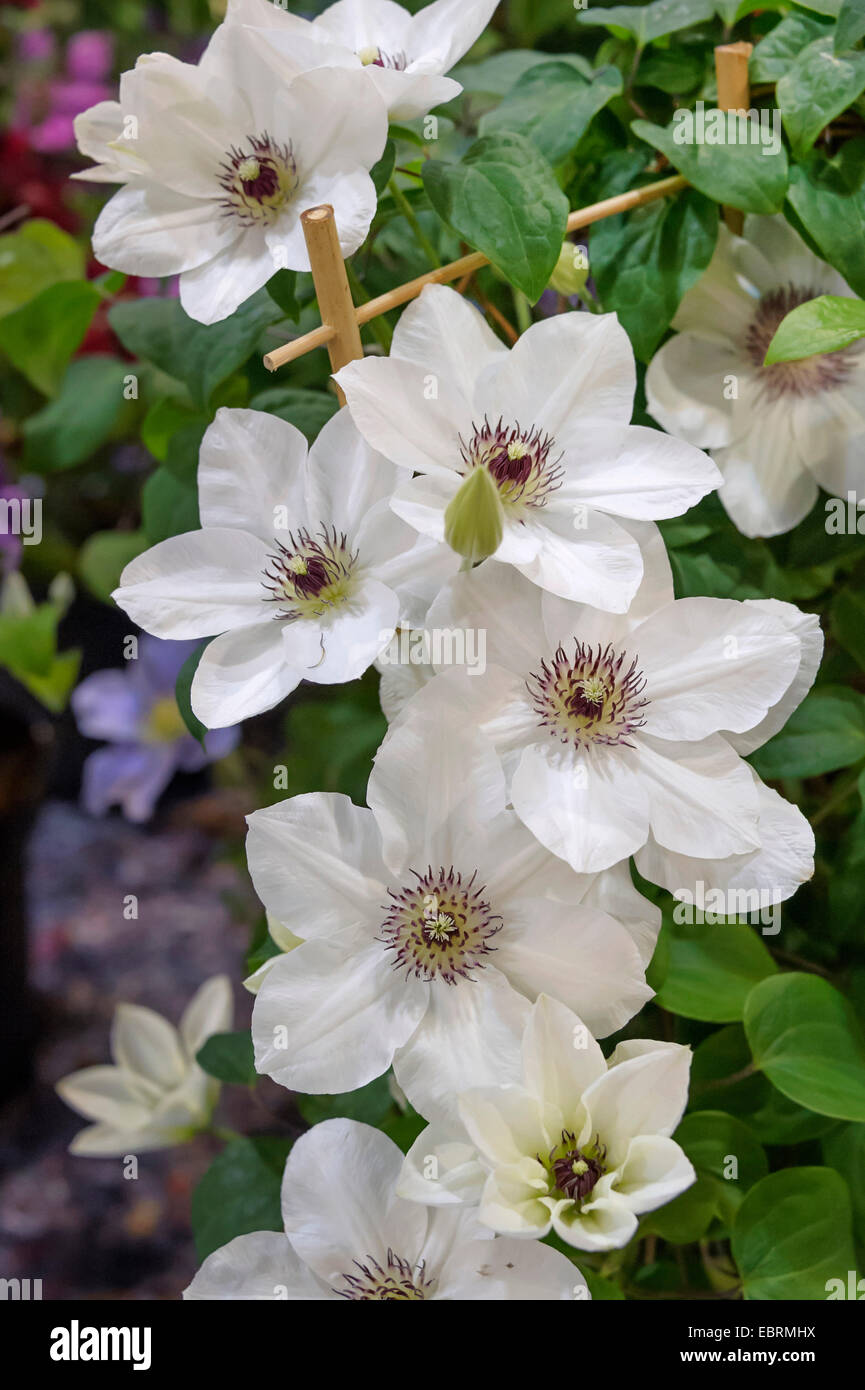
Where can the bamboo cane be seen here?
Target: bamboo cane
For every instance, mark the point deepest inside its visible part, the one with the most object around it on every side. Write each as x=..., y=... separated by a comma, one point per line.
x=331, y=287
x=734, y=94
x=335, y=310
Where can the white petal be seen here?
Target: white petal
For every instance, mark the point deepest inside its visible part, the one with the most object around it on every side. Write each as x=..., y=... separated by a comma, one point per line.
x=506, y=1123
x=604, y=1224
x=504, y=1269
x=806, y=627
x=211, y=291
x=329, y=1016
x=391, y=404
x=766, y=490
x=442, y=32
x=596, y=563
x=643, y=1095
x=685, y=383
x=560, y=1057
x=251, y=463
x=711, y=664
x=339, y=1202
x=591, y=809
x=432, y=787
x=346, y=477
x=209, y=1011
x=655, y=1171
x=649, y=475
x=149, y=230
x=701, y=796
x=240, y=674
x=443, y=332
x=103, y=1093
x=441, y=1170
x=145, y=1043
x=469, y=1036
x=316, y=864
x=197, y=584
x=564, y=368
x=262, y=1265
x=350, y=637
x=580, y=956
x=718, y=306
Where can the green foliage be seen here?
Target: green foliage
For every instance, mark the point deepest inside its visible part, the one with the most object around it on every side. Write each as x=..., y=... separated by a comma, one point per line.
x=504, y=200
x=792, y=1234
x=552, y=105
x=229, y=1057
x=804, y=1036
x=747, y=174
x=239, y=1193
x=824, y=324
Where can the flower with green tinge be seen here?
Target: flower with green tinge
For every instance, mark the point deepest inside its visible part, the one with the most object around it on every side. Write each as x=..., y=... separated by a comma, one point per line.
x=220, y=159
x=429, y=921
x=349, y=1236
x=621, y=735
x=548, y=421
x=284, y=941
x=403, y=54
x=300, y=565
x=571, y=1143
x=155, y=1095
x=775, y=432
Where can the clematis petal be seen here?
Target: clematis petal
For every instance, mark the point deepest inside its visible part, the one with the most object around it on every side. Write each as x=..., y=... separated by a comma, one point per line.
x=262, y=1265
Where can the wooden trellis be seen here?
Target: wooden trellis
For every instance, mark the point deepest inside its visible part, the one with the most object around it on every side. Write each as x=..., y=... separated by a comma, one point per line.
x=342, y=319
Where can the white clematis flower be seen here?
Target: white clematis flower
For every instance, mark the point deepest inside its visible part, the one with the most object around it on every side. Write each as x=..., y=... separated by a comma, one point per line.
x=620, y=735
x=788, y=427
x=573, y=1144
x=548, y=421
x=300, y=564
x=348, y=1235
x=220, y=160
x=155, y=1094
x=403, y=54
x=429, y=922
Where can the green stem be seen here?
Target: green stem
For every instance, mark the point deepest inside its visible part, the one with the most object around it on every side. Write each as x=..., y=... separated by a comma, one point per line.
x=846, y=786
x=410, y=216
x=522, y=311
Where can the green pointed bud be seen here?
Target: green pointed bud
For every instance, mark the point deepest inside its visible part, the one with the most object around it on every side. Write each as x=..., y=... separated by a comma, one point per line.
x=474, y=519
x=572, y=269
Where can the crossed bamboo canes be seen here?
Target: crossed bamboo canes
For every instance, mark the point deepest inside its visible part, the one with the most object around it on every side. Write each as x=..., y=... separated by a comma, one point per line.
x=341, y=318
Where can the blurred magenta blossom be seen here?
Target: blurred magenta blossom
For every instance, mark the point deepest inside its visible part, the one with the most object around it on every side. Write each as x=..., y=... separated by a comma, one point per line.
x=49, y=108
x=135, y=711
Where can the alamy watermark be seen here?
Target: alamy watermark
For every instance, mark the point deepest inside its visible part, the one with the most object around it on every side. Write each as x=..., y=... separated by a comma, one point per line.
x=714, y=907
x=711, y=126
x=22, y=517
x=438, y=646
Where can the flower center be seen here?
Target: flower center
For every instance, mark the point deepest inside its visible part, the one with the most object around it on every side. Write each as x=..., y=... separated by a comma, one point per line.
x=439, y=928
x=399, y=1281
x=575, y=1172
x=258, y=181
x=164, y=722
x=592, y=697
x=517, y=460
x=309, y=575
x=806, y=377
x=373, y=57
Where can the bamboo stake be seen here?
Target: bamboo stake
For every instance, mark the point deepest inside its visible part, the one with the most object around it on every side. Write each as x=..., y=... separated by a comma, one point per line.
x=734, y=94
x=332, y=328
x=331, y=287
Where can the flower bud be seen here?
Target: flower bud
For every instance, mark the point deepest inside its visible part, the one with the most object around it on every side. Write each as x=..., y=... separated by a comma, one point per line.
x=571, y=271
x=474, y=519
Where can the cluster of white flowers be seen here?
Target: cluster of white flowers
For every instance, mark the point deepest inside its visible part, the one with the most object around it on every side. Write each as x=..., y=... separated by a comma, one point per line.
x=475, y=926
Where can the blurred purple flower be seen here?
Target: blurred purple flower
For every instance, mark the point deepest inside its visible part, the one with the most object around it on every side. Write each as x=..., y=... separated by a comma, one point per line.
x=135, y=711
x=88, y=64
x=10, y=543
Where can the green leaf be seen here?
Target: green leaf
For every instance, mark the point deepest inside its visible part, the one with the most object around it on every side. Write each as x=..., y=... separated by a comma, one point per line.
x=828, y=196
x=162, y=421
x=239, y=1193
x=792, y=1234
x=851, y=25
x=824, y=324
x=69, y=429
x=552, y=106
x=848, y=623
x=725, y=1148
x=688, y=1217
x=28, y=650
x=39, y=254
x=370, y=1104
x=643, y=262
x=282, y=288
x=504, y=201
x=200, y=355
x=647, y=22
x=776, y=53
x=381, y=172
x=230, y=1057
x=712, y=970
x=307, y=410
x=496, y=75
x=804, y=1036
x=103, y=557
x=844, y=1149
x=748, y=174
x=41, y=336
x=826, y=732
x=819, y=86
x=183, y=696
x=168, y=506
